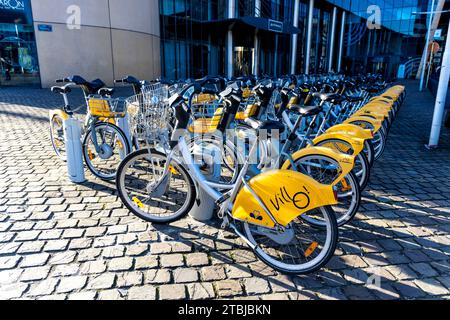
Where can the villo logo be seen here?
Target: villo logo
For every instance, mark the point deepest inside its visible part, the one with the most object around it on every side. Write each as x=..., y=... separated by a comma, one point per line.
x=12, y=4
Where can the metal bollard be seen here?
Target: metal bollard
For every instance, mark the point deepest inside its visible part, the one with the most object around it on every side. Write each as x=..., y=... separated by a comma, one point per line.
x=123, y=124
x=72, y=137
x=203, y=209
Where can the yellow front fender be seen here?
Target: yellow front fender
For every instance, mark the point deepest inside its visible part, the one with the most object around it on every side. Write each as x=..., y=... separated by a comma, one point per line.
x=382, y=100
x=353, y=130
x=346, y=162
x=375, y=124
x=356, y=144
x=59, y=113
x=371, y=114
x=285, y=194
x=378, y=106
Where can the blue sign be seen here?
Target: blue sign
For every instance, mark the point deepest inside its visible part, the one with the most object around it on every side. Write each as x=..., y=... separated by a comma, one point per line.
x=45, y=27
x=275, y=26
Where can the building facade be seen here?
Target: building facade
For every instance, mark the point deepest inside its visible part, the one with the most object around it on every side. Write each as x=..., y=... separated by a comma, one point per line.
x=276, y=37
x=41, y=40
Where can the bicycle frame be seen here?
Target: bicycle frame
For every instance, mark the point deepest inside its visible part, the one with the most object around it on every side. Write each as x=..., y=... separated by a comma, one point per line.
x=237, y=207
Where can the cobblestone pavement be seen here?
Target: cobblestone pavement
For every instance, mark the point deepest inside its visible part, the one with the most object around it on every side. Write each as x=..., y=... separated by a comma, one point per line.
x=65, y=241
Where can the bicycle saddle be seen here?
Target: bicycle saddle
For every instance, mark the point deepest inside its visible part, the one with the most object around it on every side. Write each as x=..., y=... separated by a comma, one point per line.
x=354, y=98
x=329, y=97
x=306, y=111
x=131, y=80
x=90, y=87
x=106, y=92
x=62, y=90
x=370, y=89
x=265, y=125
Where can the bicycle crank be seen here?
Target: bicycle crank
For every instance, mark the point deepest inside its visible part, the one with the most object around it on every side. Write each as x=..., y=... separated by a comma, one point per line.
x=158, y=189
x=281, y=237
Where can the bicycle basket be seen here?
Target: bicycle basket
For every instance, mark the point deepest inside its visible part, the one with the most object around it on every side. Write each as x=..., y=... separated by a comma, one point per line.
x=158, y=90
x=247, y=107
x=148, y=115
x=105, y=108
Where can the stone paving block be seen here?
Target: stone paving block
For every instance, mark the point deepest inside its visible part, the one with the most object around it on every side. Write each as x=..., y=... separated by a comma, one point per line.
x=56, y=245
x=303, y=295
x=130, y=279
x=31, y=247
x=172, y=292
x=197, y=259
x=157, y=276
x=112, y=295
x=185, y=275
x=331, y=294
x=384, y=292
x=358, y=293
x=13, y=291
x=35, y=260
x=83, y=296
x=238, y=271
x=172, y=260
x=120, y=264
x=10, y=276
x=63, y=257
x=9, y=262
x=43, y=288
x=228, y=288
x=113, y=252
x=200, y=291
x=89, y=254
x=102, y=281
x=66, y=270
x=142, y=293
x=70, y=284
x=423, y=269
x=93, y=267
x=432, y=286
x=146, y=262
x=256, y=286
x=35, y=273
x=213, y=273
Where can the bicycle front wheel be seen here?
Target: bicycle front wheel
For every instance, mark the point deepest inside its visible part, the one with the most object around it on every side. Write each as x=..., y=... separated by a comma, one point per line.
x=362, y=167
x=113, y=146
x=326, y=170
x=57, y=136
x=148, y=194
x=302, y=248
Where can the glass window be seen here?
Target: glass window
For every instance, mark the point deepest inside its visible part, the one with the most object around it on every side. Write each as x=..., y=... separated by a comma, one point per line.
x=18, y=52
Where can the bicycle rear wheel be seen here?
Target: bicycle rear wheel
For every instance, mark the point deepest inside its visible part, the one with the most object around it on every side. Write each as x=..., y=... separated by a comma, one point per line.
x=302, y=248
x=326, y=170
x=149, y=195
x=362, y=166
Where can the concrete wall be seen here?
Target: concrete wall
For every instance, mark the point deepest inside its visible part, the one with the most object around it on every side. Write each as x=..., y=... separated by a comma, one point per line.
x=116, y=38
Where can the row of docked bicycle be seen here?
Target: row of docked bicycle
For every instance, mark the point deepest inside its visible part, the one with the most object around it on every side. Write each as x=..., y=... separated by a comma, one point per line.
x=281, y=162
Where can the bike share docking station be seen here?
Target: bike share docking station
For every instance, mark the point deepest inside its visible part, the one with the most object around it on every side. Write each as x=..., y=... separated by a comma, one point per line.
x=209, y=158
x=74, y=151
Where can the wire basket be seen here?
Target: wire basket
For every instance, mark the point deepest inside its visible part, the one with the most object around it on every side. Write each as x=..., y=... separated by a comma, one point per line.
x=205, y=106
x=159, y=90
x=207, y=111
x=273, y=107
x=149, y=114
x=247, y=107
